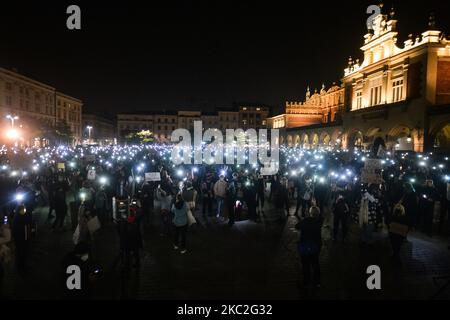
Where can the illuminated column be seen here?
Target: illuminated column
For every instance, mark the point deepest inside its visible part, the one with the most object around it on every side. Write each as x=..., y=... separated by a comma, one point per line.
x=418, y=140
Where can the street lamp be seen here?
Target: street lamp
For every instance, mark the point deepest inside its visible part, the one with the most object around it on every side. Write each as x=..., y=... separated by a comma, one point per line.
x=89, y=132
x=12, y=118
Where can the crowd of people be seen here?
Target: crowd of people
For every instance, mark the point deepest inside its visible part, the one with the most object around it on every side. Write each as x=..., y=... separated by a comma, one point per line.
x=131, y=187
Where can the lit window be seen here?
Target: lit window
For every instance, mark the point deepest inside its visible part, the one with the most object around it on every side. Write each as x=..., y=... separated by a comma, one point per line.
x=397, y=90
x=358, y=100
x=375, y=96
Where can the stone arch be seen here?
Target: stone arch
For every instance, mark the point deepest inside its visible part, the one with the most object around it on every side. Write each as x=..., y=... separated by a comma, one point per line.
x=297, y=140
x=401, y=137
x=315, y=140
x=289, y=140
x=440, y=137
x=374, y=136
x=355, y=138
x=325, y=138
x=374, y=132
x=400, y=131
x=305, y=141
x=337, y=135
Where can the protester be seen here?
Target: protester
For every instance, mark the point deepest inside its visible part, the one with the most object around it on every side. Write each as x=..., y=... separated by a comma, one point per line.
x=260, y=195
x=341, y=212
x=131, y=239
x=101, y=205
x=281, y=199
x=368, y=215
x=309, y=247
x=180, y=221
x=165, y=200
x=21, y=232
x=220, y=192
x=207, y=187
x=398, y=230
x=427, y=199
x=60, y=203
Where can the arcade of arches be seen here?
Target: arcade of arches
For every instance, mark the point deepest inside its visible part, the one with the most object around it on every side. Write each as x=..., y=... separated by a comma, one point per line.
x=397, y=138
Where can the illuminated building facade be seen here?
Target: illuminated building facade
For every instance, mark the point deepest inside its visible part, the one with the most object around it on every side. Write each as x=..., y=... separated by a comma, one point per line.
x=37, y=105
x=398, y=93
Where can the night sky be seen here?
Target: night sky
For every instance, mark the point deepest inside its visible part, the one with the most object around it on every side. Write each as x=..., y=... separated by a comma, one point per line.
x=136, y=55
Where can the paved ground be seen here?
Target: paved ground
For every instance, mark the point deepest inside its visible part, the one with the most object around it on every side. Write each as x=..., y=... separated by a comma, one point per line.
x=249, y=261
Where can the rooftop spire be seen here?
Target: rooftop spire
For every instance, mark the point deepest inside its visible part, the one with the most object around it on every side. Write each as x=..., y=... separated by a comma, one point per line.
x=432, y=21
x=392, y=13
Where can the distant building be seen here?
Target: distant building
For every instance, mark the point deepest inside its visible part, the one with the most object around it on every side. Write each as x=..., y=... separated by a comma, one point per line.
x=160, y=124
x=210, y=120
x=186, y=119
x=103, y=130
x=254, y=117
x=38, y=106
x=69, y=110
x=163, y=124
x=228, y=118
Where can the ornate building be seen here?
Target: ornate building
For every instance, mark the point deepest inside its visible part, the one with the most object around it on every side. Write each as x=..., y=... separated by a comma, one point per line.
x=321, y=107
x=400, y=93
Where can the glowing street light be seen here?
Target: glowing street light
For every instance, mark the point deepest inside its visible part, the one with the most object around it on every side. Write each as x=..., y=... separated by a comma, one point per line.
x=89, y=132
x=13, y=119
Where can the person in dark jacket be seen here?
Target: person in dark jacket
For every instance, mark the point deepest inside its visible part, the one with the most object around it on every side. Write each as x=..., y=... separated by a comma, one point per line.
x=341, y=212
x=410, y=203
x=21, y=232
x=207, y=195
x=260, y=196
x=147, y=198
x=60, y=207
x=427, y=199
x=131, y=239
x=310, y=244
x=320, y=195
x=250, y=199
x=281, y=198
x=398, y=228
x=51, y=189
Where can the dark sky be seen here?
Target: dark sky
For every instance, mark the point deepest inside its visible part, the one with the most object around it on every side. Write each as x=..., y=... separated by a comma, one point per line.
x=138, y=55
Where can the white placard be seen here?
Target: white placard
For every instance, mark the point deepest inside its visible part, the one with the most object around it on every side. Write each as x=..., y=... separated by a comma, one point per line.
x=372, y=172
x=91, y=175
x=153, y=176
